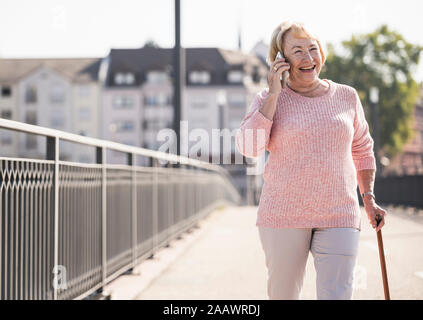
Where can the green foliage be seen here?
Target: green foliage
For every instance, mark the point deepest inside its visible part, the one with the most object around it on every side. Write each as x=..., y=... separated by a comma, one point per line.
x=151, y=43
x=386, y=60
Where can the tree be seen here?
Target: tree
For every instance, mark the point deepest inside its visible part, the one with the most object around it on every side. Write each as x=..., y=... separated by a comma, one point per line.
x=386, y=60
x=151, y=43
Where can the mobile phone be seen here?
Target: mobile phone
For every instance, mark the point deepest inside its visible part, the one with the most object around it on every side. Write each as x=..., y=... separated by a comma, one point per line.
x=285, y=74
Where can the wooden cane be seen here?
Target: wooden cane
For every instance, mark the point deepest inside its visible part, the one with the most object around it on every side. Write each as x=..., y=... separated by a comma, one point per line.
x=382, y=260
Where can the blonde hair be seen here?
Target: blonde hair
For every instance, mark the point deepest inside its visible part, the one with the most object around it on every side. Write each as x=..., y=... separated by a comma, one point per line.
x=278, y=38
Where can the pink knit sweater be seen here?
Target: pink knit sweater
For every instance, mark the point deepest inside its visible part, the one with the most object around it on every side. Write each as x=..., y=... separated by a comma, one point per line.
x=316, y=146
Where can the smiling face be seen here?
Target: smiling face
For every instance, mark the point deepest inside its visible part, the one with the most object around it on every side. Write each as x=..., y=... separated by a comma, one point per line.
x=302, y=54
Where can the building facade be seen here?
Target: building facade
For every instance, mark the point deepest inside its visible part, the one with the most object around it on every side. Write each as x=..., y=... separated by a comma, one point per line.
x=61, y=94
x=127, y=97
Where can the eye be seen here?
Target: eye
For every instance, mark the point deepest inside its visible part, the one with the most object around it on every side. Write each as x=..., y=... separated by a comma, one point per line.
x=297, y=51
x=314, y=48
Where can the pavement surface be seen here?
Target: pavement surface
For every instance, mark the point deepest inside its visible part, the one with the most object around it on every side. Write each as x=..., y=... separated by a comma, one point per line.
x=223, y=259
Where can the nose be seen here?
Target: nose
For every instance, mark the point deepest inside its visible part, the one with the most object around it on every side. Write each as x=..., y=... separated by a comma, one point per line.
x=308, y=57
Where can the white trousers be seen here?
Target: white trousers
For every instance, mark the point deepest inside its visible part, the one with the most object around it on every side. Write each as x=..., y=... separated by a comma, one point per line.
x=286, y=251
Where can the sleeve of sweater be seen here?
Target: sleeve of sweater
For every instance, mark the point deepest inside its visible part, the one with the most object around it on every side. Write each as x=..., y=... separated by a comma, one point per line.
x=253, y=135
x=362, y=145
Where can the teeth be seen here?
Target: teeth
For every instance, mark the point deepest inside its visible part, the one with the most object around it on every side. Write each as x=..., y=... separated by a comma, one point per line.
x=307, y=68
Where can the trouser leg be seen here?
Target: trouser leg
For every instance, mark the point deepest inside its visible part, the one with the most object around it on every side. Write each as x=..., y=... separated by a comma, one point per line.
x=335, y=253
x=286, y=252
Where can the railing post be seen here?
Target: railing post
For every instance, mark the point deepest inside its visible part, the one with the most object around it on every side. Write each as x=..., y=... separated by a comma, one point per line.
x=131, y=162
x=183, y=167
x=198, y=193
x=155, y=165
x=197, y=190
x=170, y=206
x=52, y=153
x=101, y=159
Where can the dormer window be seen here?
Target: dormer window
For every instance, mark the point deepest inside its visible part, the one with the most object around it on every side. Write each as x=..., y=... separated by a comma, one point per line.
x=130, y=78
x=235, y=76
x=119, y=78
x=124, y=78
x=199, y=77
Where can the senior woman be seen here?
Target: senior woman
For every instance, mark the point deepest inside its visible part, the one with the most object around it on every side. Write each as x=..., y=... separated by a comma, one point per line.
x=320, y=147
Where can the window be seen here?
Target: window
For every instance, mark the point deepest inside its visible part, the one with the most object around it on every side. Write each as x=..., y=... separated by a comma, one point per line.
x=124, y=126
x=57, y=94
x=31, y=118
x=123, y=102
x=6, y=91
x=130, y=79
x=157, y=77
x=124, y=78
x=150, y=100
x=6, y=114
x=84, y=114
x=119, y=78
x=235, y=76
x=156, y=124
x=199, y=77
x=160, y=99
x=31, y=94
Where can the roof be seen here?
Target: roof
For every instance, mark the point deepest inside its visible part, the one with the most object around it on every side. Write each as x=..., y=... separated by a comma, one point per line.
x=215, y=60
x=139, y=61
x=76, y=69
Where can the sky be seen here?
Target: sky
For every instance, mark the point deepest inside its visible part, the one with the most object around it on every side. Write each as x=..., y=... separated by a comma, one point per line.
x=90, y=28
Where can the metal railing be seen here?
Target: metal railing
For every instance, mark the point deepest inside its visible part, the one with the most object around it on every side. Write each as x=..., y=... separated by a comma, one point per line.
x=404, y=190
x=68, y=229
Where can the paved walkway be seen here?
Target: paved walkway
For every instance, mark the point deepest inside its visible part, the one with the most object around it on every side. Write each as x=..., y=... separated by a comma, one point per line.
x=223, y=259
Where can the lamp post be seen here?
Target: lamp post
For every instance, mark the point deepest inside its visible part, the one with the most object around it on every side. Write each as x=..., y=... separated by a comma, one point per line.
x=374, y=99
x=179, y=74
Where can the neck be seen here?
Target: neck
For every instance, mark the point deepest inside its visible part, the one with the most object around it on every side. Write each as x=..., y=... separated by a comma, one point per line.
x=304, y=87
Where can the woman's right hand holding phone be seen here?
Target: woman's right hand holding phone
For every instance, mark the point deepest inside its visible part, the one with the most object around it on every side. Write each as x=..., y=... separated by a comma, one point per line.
x=278, y=66
x=274, y=77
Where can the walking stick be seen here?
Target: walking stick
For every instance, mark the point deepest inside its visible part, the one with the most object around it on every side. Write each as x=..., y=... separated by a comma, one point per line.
x=382, y=260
